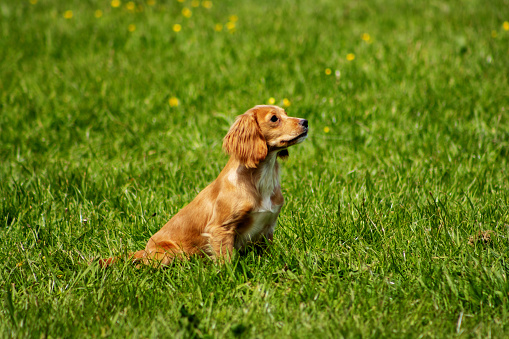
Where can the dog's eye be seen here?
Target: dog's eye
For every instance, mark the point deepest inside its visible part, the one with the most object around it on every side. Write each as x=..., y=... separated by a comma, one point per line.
x=274, y=118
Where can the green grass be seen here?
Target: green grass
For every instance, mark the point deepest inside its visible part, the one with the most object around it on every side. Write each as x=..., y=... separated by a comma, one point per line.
x=407, y=159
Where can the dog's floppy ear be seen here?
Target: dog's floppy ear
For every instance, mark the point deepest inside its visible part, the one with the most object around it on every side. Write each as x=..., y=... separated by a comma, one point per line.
x=245, y=140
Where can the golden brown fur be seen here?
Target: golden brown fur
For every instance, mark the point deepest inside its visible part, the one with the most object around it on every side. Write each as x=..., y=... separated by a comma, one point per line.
x=241, y=206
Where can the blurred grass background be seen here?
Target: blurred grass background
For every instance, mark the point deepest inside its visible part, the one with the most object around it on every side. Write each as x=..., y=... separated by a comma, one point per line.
x=396, y=219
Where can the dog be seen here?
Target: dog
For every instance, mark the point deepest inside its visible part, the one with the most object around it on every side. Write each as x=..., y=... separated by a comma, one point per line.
x=240, y=208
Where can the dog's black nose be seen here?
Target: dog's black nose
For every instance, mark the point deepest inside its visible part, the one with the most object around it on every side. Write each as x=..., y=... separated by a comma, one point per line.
x=304, y=123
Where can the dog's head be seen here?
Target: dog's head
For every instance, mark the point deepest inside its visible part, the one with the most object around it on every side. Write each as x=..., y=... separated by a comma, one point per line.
x=262, y=130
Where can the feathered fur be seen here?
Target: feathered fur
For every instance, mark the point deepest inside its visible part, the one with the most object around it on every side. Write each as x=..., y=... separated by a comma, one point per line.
x=241, y=206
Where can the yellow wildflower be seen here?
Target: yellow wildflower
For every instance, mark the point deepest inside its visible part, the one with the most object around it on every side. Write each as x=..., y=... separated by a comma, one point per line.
x=350, y=56
x=218, y=27
x=234, y=18
x=494, y=34
x=151, y=2
x=177, y=28
x=195, y=3
x=33, y=2
x=174, y=102
x=130, y=6
x=272, y=101
x=186, y=12
x=115, y=3
x=328, y=71
x=206, y=4
x=19, y=264
x=68, y=14
x=366, y=37
x=231, y=26
x=505, y=25
x=131, y=28
x=286, y=102
x=98, y=13
x=326, y=129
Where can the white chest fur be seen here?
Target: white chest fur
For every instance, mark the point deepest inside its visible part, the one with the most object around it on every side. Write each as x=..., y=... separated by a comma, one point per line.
x=264, y=217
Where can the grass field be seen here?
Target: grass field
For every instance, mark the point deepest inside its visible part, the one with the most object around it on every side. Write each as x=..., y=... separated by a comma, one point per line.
x=396, y=222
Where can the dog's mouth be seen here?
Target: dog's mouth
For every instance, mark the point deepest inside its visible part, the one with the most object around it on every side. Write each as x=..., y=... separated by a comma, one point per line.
x=285, y=143
x=298, y=139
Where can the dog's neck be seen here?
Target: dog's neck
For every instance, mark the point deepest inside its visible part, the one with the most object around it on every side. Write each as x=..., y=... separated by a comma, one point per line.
x=264, y=178
x=266, y=175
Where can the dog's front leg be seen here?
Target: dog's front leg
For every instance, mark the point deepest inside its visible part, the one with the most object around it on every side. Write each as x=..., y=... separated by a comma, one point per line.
x=221, y=240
